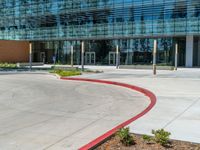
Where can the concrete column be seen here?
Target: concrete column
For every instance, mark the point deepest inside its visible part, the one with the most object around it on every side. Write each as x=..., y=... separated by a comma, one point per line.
x=189, y=51
x=198, y=52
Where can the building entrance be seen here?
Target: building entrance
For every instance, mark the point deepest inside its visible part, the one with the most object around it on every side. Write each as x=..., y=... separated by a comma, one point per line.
x=112, y=58
x=42, y=57
x=90, y=58
x=196, y=52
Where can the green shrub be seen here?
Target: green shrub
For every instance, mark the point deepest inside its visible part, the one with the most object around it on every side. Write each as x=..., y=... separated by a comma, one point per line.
x=8, y=65
x=125, y=137
x=147, y=138
x=66, y=73
x=161, y=136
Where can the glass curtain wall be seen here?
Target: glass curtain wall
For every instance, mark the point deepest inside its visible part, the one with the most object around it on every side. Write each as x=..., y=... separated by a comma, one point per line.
x=99, y=52
x=97, y=19
x=55, y=23
x=139, y=51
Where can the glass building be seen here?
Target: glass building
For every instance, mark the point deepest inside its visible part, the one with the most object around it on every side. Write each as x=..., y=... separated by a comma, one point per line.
x=53, y=26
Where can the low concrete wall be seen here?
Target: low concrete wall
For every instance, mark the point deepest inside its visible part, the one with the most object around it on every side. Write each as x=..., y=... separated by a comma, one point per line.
x=14, y=51
x=146, y=67
x=63, y=67
x=28, y=64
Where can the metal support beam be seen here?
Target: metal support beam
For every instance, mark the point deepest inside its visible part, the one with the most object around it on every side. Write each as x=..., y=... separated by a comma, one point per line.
x=117, y=57
x=176, y=56
x=72, y=56
x=30, y=56
x=154, y=56
x=82, y=56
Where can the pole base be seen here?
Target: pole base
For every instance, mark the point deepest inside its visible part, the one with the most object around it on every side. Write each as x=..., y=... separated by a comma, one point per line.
x=154, y=70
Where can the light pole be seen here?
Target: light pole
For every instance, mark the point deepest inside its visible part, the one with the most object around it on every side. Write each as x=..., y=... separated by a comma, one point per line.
x=82, y=56
x=176, y=57
x=72, y=56
x=30, y=56
x=154, y=56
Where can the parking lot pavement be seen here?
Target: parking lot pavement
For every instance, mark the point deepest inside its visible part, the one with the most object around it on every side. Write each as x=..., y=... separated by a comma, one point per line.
x=178, y=99
x=38, y=111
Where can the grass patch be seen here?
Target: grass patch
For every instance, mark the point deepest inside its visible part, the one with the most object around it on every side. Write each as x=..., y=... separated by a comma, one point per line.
x=8, y=66
x=66, y=73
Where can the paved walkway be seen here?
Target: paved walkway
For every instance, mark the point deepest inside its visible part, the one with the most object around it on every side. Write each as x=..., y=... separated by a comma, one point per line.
x=38, y=111
x=178, y=100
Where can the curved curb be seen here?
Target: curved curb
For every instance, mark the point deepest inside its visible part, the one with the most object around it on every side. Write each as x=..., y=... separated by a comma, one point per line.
x=148, y=93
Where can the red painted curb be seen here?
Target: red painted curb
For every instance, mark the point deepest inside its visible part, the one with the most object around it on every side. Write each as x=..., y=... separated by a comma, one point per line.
x=148, y=93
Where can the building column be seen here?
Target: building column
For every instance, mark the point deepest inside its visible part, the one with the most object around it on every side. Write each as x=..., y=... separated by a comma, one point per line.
x=198, y=63
x=189, y=51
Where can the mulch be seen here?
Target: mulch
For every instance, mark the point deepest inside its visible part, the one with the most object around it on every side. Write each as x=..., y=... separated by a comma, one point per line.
x=114, y=144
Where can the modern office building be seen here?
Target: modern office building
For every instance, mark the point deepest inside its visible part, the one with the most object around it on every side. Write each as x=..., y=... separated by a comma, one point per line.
x=53, y=26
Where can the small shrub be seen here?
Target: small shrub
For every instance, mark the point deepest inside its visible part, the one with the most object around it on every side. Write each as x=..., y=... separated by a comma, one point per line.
x=148, y=139
x=98, y=71
x=66, y=73
x=125, y=137
x=8, y=65
x=161, y=136
x=93, y=71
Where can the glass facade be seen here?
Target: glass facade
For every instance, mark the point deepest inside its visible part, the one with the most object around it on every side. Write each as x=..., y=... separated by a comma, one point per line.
x=132, y=51
x=131, y=24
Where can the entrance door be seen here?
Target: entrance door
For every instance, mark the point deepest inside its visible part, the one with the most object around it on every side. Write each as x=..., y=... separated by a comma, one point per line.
x=112, y=58
x=42, y=57
x=90, y=58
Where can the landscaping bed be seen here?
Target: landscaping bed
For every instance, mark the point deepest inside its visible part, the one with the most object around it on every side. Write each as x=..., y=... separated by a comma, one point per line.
x=66, y=73
x=140, y=142
x=8, y=66
x=72, y=72
x=115, y=144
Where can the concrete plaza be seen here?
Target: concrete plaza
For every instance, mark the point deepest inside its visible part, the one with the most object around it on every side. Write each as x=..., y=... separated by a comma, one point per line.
x=178, y=99
x=39, y=111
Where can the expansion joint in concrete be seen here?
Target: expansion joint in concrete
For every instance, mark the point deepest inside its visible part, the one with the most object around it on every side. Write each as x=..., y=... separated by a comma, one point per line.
x=184, y=111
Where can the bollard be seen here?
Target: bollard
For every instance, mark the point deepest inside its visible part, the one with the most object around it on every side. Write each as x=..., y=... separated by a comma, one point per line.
x=154, y=57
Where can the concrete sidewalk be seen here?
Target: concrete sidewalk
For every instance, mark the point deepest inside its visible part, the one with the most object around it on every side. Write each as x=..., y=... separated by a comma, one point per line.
x=178, y=105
